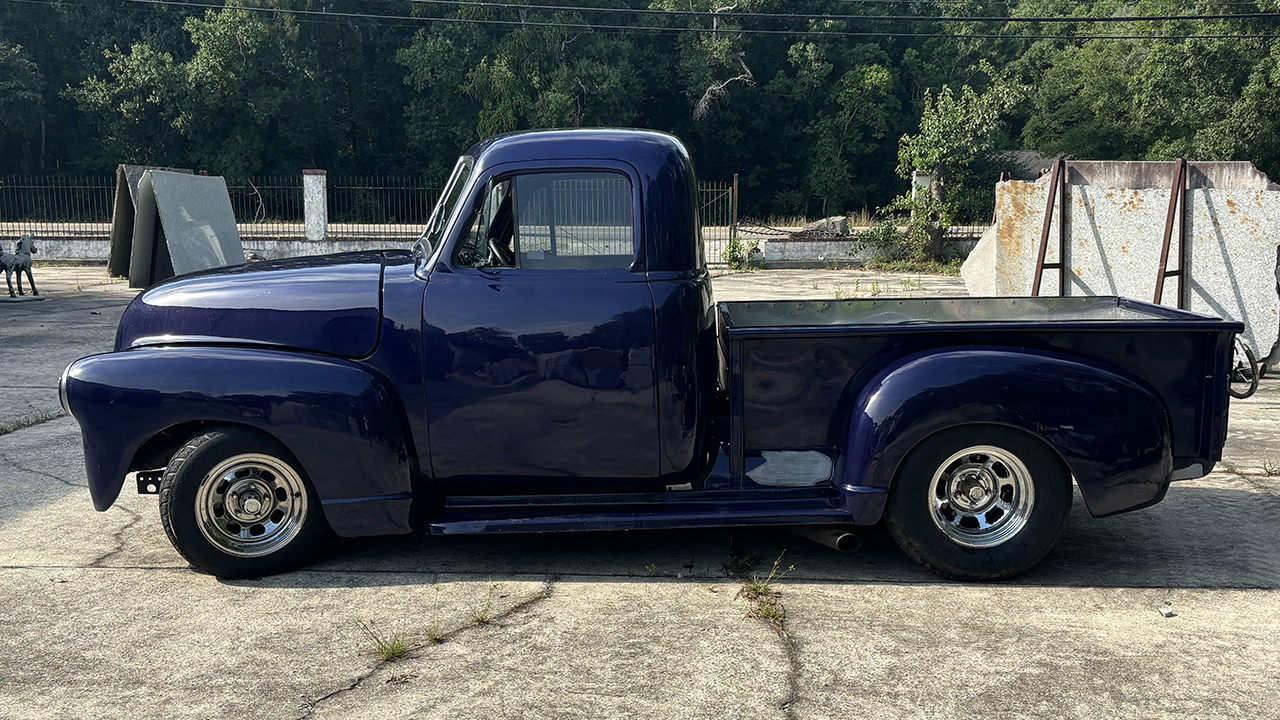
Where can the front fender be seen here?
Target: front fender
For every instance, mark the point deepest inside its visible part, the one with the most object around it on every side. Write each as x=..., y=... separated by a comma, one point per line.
x=343, y=423
x=1113, y=433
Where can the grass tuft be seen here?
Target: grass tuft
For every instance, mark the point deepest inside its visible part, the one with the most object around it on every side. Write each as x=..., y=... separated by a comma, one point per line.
x=740, y=566
x=435, y=631
x=388, y=649
x=485, y=614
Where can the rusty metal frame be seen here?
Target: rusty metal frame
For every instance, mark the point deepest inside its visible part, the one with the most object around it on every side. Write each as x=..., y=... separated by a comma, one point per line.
x=1058, y=195
x=1177, y=197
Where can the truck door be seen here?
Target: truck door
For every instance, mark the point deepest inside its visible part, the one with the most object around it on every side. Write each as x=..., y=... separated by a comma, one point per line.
x=539, y=339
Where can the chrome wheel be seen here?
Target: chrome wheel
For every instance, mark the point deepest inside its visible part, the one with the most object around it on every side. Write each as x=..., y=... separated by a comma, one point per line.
x=251, y=505
x=981, y=496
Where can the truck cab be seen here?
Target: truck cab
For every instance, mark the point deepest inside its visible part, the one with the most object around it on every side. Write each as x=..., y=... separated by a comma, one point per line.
x=549, y=357
x=568, y=323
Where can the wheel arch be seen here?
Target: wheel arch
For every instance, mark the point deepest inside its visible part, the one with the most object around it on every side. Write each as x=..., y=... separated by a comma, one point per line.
x=156, y=451
x=1111, y=432
x=342, y=422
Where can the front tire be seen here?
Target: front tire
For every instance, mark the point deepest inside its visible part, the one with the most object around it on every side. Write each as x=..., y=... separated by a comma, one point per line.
x=236, y=503
x=980, y=502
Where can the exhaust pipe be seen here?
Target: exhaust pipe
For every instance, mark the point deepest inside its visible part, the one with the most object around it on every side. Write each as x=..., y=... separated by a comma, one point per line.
x=832, y=537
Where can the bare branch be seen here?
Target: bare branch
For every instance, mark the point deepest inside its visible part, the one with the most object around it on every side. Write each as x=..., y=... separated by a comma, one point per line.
x=717, y=90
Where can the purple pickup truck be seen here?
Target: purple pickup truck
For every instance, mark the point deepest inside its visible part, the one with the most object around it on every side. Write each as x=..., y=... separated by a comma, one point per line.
x=549, y=357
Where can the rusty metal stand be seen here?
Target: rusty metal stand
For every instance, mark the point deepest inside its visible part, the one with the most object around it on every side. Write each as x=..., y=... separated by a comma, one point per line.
x=1058, y=194
x=1177, y=198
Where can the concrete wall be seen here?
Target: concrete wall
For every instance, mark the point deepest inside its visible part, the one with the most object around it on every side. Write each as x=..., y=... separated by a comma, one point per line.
x=786, y=251
x=95, y=249
x=1114, y=240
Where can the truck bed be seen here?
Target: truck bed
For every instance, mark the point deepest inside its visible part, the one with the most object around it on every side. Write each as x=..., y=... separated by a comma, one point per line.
x=812, y=314
x=796, y=368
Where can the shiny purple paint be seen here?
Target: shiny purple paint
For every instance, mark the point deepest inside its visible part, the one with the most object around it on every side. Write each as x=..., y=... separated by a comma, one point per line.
x=418, y=393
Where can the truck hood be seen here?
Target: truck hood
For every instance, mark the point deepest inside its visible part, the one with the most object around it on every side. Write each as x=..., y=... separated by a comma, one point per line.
x=328, y=304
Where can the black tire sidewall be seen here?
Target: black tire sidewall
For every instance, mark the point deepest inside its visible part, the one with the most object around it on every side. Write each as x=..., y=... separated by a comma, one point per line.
x=179, y=489
x=909, y=520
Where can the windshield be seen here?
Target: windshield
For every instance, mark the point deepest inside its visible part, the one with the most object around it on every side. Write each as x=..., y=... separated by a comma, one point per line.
x=434, y=231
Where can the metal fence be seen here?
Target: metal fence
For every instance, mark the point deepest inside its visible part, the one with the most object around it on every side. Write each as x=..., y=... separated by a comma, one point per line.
x=267, y=207
x=375, y=208
x=718, y=215
x=380, y=208
x=72, y=206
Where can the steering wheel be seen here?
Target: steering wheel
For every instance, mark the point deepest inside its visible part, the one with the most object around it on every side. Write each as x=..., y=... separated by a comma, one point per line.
x=504, y=255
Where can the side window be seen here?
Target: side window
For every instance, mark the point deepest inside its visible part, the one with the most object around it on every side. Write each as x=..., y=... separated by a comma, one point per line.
x=574, y=221
x=490, y=238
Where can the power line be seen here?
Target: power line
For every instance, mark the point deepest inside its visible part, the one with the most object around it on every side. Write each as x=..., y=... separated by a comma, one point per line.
x=418, y=21
x=821, y=17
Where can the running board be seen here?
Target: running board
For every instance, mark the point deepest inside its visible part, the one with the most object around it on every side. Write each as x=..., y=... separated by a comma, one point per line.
x=507, y=515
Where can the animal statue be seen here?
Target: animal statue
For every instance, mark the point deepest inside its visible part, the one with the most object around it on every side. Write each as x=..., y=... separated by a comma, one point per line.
x=19, y=260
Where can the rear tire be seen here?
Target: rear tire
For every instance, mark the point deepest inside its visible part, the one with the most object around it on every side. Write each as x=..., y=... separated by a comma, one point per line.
x=979, y=502
x=236, y=503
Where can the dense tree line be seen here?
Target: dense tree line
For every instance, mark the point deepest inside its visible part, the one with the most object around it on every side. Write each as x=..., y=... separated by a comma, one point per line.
x=811, y=112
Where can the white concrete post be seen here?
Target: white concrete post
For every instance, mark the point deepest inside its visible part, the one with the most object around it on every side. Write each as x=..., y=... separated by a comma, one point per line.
x=315, y=204
x=920, y=182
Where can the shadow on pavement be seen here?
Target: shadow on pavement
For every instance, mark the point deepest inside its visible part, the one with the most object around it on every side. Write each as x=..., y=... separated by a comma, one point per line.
x=1200, y=537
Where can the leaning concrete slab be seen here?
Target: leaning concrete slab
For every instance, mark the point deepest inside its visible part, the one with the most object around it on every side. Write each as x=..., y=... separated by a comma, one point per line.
x=184, y=223
x=123, y=216
x=1114, y=239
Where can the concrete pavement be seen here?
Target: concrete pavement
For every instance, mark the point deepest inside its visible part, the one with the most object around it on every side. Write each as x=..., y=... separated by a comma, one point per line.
x=99, y=617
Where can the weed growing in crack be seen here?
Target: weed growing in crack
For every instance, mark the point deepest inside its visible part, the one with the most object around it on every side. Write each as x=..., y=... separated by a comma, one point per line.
x=387, y=648
x=485, y=615
x=1270, y=469
x=739, y=566
x=435, y=632
x=27, y=421
x=763, y=597
x=652, y=568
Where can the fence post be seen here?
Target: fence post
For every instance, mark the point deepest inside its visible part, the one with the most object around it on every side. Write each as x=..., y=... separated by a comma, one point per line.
x=315, y=204
x=733, y=222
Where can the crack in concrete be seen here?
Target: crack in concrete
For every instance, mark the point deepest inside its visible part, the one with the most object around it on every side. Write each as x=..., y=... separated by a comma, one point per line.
x=14, y=463
x=1253, y=482
x=793, y=675
x=117, y=537
x=525, y=604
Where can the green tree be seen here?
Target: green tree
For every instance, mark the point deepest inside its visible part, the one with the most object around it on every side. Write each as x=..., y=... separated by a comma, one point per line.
x=21, y=100
x=956, y=130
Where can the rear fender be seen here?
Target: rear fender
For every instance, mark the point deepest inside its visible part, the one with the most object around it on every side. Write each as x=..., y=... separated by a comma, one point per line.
x=343, y=423
x=1111, y=432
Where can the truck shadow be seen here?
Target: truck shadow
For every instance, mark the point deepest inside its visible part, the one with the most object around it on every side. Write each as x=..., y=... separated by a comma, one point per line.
x=1207, y=534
